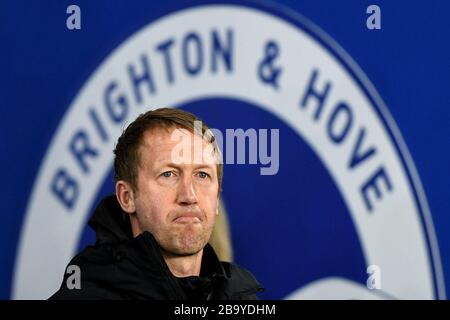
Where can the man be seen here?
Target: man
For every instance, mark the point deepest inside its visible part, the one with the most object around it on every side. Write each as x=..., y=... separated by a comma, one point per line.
x=152, y=235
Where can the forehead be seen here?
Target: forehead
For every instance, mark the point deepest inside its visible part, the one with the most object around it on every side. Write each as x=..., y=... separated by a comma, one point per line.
x=160, y=145
x=158, y=137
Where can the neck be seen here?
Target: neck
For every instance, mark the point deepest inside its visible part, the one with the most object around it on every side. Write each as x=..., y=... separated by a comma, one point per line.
x=184, y=266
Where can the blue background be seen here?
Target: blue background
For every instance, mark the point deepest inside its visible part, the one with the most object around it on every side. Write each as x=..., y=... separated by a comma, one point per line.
x=43, y=66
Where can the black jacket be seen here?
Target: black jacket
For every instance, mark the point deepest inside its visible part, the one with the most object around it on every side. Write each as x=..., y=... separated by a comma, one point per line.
x=122, y=267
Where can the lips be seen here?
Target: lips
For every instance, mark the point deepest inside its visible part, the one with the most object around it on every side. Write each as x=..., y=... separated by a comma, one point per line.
x=188, y=217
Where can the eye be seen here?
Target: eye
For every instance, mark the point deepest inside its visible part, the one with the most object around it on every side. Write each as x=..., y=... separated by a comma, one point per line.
x=203, y=175
x=167, y=174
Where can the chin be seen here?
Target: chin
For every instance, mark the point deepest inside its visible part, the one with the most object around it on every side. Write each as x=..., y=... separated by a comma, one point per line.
x=185, y=242
x=184, y=250
x=188, y=246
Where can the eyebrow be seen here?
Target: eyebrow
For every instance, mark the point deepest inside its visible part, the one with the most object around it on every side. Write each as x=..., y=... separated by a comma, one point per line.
x=196, y=166
x=204, y=166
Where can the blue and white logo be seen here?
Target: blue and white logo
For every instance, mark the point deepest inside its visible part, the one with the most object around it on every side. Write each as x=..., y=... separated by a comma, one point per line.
x=346, y=195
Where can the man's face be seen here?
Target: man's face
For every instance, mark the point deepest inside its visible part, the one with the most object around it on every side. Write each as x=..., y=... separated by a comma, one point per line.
x=176, y=202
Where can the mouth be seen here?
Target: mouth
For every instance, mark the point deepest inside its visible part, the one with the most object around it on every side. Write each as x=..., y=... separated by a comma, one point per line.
x=187, y=218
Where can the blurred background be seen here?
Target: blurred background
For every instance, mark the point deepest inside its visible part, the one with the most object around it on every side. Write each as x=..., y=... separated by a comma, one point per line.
x=73, y=77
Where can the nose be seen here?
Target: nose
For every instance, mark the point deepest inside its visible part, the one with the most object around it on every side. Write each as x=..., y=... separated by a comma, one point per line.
x=186, y=192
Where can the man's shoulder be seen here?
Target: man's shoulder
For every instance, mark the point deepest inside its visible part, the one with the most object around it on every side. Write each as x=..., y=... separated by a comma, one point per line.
x=87, y=291
x=123, y=270
x=86, y=275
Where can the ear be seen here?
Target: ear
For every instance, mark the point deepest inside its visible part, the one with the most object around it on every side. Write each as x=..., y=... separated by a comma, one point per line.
x=125, y=196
